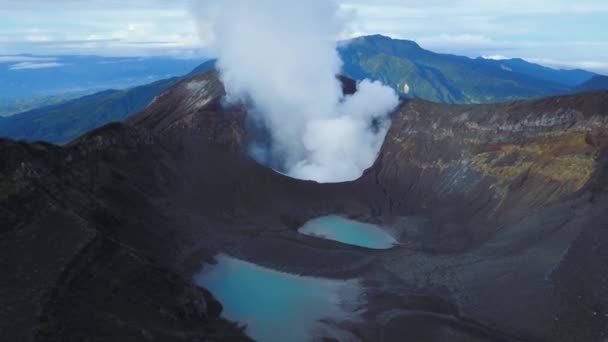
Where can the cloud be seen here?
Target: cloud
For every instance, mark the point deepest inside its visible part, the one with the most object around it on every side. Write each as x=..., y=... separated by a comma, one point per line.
x=116, y=5
x=597, y=66
x=35, y=65
x=462, y=42
x=117, y=28
x=17, y=58
x=495, y=57
x=518, y=28
x=476, y=7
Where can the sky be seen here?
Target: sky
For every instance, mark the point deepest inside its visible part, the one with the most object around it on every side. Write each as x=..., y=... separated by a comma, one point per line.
x=557, y=33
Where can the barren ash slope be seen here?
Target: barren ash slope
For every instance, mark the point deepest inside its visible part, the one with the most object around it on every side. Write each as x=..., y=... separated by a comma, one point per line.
x=500, y=210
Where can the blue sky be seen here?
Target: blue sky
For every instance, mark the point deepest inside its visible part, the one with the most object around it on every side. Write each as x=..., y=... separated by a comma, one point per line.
x=553, y=32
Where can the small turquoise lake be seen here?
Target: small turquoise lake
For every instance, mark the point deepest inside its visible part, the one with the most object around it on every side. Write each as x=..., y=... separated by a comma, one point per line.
x=350, y=232
x=277, y=306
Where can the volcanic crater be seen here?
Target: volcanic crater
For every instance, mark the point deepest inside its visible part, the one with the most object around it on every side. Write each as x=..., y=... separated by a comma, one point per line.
x=499, y=210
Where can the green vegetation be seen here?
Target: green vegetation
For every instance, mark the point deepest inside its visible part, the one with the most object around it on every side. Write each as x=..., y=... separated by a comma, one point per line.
x=440, y=77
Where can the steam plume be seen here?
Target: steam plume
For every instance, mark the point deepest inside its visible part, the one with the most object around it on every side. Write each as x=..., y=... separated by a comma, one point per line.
x=280, y=56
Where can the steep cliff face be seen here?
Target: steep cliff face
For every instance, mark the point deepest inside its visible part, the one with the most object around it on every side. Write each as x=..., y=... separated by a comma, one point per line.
x=551, y=141
x=490, y=164
x=511, y=196
x=499, y=209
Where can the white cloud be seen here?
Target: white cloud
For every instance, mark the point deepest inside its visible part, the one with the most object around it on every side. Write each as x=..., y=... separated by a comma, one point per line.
x=495, y=57
x=108, y=27
x=18, y=59
x=597, y=66
x=475, y=7
x=35, y=65
x=37, y=38
x=464, y=41
x=551, y=29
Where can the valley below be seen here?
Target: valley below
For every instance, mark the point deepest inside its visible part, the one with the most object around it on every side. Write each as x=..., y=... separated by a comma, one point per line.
x=497, y=211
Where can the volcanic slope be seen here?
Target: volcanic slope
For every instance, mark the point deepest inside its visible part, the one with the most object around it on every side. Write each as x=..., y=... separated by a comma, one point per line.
x=499, y=210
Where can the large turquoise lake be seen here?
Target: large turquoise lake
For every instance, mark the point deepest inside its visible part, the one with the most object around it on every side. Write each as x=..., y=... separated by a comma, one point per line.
x=350, y=232
x=277, y=306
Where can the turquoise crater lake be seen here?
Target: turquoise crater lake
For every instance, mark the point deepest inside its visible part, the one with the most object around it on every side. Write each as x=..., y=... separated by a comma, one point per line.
x=350, y=232
x=277, y=306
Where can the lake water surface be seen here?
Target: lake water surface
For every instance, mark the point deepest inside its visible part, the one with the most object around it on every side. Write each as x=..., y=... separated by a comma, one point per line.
x=277, y=306
x=348, y=231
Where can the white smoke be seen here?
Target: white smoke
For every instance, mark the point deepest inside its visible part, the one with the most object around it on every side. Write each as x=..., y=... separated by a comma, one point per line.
x=281, y=57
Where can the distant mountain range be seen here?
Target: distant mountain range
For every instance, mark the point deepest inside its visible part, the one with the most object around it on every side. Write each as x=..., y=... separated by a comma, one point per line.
x=402, y=64
x=11, y=106
x=407, y=67
x=63, y=122
x=570, y=78
x=598, y=82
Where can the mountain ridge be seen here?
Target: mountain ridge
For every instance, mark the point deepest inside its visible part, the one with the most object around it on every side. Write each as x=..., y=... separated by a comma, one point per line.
x=439, y=77
x=63, y=122
x=597, y=83
x=567, y=77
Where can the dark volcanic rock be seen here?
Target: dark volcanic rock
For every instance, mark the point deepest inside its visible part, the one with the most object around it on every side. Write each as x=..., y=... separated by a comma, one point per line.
x=78, y=247
x=499, y=209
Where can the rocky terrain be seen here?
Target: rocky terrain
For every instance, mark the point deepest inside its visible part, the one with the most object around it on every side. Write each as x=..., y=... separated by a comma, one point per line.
x=499, y=210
